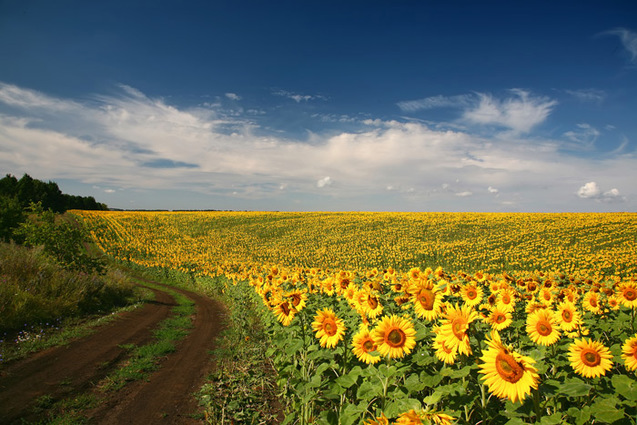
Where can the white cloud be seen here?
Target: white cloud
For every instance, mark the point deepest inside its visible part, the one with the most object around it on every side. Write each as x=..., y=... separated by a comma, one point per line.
x=587, y=95
x=584, y=137
x=325, y=181
x=133, y=142
x=436, y=102
x=520, y=113
x=298, y=97
x=591, y=190
x=628, y=39
x=233, y=96
x=109, y=190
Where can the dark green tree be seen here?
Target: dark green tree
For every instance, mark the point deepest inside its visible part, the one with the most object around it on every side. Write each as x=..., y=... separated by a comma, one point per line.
x=11, y=215
x=61, y=237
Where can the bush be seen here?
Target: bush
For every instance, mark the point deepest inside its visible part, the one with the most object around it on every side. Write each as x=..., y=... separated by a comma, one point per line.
x=65, y=240
x=34, y=289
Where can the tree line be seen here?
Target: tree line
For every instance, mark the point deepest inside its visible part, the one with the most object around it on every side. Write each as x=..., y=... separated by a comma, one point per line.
x=17, y=196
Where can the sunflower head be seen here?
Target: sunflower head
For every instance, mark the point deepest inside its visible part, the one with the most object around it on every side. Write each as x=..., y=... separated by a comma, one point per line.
x=542, y=327
x=329, y=328
x=394, y=336
x=590, y=358
x=629, y=353
x=627, y=294
x=507, y=373
x=364, y=347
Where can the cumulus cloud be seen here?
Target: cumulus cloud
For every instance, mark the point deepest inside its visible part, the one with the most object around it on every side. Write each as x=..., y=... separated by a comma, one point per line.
x=591, y=190
x=519, y=113
x=233, y=96
x=128, y=140
x=325, y=181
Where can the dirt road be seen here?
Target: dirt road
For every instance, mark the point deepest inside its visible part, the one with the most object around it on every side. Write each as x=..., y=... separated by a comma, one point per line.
x=166, y=397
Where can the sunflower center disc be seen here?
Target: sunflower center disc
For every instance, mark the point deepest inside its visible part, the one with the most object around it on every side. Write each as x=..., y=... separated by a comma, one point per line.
x=396, y=338
x=329, y=327
x=544, y=328
x=368, y=346
x=591, y=358
x=567, y=316
x=630, y=294
x=508, y=368
x=373, y=302
x=426, y=299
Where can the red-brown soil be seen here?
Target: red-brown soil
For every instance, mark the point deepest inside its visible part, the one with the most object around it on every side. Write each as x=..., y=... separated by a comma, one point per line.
x=166, y=397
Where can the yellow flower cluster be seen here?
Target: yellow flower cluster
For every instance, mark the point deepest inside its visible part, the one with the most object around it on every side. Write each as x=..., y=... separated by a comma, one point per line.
x=547, y=271
x=586, y=246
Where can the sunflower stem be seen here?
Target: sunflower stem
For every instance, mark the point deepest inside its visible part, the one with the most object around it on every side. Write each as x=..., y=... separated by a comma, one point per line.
x=536, y=405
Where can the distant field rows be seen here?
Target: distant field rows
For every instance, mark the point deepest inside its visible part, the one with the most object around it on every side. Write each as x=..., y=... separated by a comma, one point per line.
x=596, y=246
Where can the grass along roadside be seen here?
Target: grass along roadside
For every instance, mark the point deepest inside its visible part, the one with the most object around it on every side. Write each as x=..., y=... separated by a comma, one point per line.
x=37, y=337
x=241, y=387
x=140, y=362
x=144, y=359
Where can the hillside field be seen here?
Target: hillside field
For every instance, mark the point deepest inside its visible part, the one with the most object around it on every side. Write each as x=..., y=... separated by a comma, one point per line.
x=416, y=318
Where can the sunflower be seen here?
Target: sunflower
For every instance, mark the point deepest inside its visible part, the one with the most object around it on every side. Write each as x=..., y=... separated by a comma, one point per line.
x=327, y=286
x=506, y=299
x=329, y=328
x=471, y=294
x=592, y=302
x=590, y=358
x=542, y=328
x=426, y=301
x=629, y=353
x=424, y=417
x=372, y=306
x=380, y=420
x=546, y=296
x=628, y=294
x=414, y=273
x=455, y=326
x=568, y=316
x=499, y=319
x=298, y=299
x=284, y=312
x=613, y=302
x=443, y=352
x=394, y=336
x=507, y=373
x=363, y=346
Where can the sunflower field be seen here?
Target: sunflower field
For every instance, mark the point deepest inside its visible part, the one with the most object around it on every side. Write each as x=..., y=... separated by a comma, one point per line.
x=421, y=318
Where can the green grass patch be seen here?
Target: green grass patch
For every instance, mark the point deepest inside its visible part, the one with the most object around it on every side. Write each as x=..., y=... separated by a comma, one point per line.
x=145, y=359
x=33, y=338
x=35, y=289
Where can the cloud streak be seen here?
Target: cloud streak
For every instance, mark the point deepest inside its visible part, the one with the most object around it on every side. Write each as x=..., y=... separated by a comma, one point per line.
x=629, y=41
x=435, y=102
x=519, y=113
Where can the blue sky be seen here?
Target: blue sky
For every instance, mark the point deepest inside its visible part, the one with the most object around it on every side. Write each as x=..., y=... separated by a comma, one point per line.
x=324, y=105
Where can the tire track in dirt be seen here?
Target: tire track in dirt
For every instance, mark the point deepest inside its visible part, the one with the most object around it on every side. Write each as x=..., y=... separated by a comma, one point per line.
x=167, y=396
x=78, y=365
